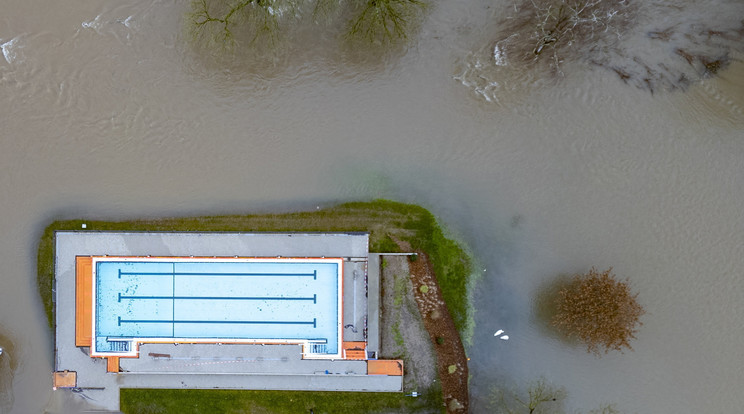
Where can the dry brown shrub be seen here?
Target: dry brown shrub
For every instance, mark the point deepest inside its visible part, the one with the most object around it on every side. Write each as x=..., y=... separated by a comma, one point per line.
x=599, y=310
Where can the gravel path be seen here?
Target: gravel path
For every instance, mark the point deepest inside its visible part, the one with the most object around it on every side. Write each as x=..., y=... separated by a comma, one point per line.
x=403, y=333
x=451, y=360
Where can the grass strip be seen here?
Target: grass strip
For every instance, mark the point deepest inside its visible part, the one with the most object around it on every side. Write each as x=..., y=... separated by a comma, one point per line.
x=157, y=401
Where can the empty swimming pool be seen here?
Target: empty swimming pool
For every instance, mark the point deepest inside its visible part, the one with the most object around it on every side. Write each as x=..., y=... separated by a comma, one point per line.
x=191, y=300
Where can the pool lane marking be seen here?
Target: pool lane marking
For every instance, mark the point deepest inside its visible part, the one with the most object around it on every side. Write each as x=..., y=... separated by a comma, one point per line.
x=313, y=323
x=314, y=275
x=173, y=292
x=314, y=298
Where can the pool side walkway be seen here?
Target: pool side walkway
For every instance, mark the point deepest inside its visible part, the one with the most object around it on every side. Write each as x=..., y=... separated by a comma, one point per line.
x=255, y=367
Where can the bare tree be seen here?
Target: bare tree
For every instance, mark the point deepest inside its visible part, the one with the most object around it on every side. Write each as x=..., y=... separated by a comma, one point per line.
x=540, y=397
x=562, y=24
x=686, y=43
x=562, y=29
x=386, y=20
x=214, y=23
x=599, y=310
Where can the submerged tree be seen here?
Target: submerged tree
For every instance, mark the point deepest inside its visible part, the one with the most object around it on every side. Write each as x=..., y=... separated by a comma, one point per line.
x=216, y=22
x=561, y=29
x=540, y=397
x=599, y=310
x=686, y=43
x=386, y=20
x=566, y=22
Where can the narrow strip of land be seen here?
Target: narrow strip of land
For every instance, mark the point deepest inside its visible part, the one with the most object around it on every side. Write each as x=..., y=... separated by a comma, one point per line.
x=452, y=363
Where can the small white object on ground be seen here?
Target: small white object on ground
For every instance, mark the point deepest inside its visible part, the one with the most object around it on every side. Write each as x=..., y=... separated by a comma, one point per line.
x=85, y=225
x=505, y=337
x=499, y=332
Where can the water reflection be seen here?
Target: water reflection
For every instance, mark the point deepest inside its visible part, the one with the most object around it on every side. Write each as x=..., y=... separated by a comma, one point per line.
x=69, y=402
x=721, y=97
x=544, y=307
x=677, y=44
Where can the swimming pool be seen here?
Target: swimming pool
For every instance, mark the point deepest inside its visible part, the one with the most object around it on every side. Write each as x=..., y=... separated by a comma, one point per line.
x=216, y=300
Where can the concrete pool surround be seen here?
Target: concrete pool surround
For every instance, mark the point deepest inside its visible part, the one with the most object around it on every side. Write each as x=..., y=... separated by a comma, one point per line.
x=188, y=310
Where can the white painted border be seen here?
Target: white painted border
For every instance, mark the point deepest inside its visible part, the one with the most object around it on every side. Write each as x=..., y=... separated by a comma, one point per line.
x=136, y=342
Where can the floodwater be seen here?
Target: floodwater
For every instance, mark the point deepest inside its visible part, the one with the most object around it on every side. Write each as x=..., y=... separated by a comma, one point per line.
x=106, y=112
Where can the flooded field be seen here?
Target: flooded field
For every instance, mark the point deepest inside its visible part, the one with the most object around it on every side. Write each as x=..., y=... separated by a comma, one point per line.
x=630, y=155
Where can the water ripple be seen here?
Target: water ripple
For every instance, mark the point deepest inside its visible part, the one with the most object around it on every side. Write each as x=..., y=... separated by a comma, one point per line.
x=11, y=49
x=10, y=361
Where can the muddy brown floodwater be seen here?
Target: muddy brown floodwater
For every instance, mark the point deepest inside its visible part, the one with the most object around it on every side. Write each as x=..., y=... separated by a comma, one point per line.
x=107, y=113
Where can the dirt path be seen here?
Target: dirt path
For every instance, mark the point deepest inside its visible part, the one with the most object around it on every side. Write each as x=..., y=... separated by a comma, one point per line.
x=451, y=360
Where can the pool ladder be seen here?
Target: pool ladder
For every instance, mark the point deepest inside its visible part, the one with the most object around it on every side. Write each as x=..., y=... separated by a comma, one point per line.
x=118, y=346
x=318, y=348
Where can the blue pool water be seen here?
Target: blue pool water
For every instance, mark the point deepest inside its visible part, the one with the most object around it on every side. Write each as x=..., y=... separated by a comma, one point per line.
x=294, y=300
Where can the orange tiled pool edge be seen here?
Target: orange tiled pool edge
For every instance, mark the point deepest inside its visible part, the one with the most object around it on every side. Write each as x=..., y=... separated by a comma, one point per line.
x=83, y=300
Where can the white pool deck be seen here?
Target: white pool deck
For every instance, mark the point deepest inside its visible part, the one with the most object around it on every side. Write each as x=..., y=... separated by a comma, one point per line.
x=226, y=366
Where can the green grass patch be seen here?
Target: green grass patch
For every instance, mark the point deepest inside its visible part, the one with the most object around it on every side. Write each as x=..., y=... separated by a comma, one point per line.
x=451, y=263
x=397, y=335
x=151, y=401
x=384, y=245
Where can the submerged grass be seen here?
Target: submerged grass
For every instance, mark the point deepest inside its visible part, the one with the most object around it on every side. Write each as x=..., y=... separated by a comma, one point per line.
x=383, y=219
